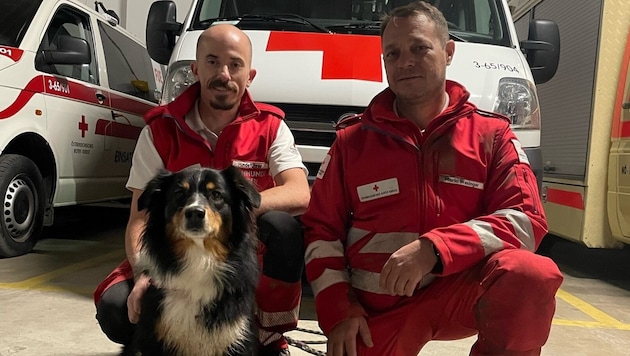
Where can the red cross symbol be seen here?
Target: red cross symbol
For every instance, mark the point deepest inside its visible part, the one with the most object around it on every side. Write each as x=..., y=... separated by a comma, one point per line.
x=344, y=56
x=376, y=188
x=83, y=126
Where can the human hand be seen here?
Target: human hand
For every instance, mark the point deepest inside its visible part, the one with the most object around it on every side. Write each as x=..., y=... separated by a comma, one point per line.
x=342, y=339
x=134, y=300
x=406, y=267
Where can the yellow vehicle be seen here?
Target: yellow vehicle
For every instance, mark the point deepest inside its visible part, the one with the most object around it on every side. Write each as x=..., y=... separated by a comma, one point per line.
x=585, y=134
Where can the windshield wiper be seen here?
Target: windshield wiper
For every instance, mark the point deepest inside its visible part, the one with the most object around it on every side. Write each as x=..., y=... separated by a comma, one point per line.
x=288, y=17
x=356, y=26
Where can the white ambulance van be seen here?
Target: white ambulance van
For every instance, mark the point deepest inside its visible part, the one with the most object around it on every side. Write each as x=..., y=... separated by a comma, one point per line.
x=319, y=60
x=73, y=89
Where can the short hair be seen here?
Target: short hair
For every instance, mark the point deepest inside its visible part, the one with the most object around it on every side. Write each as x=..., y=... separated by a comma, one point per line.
x=417, y=8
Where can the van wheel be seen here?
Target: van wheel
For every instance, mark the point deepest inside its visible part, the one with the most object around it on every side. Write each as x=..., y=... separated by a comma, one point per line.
x=22, y=199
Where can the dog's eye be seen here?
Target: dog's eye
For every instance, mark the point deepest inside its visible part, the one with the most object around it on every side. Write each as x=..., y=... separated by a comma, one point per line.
x=216, y=195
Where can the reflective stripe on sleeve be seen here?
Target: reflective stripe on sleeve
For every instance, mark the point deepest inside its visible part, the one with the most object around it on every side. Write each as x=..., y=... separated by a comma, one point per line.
x=489, y=240
x=522, y=226
x=369, y=281
x=323, y=249
x=388, y=242
x=328, y=278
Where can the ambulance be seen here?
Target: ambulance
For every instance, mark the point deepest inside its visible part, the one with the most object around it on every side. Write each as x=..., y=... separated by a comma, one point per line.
x=586, y=132
x=73, y=89
x=320, y=60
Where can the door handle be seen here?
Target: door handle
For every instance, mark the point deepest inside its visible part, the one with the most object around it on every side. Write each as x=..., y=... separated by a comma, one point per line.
x=100, y=97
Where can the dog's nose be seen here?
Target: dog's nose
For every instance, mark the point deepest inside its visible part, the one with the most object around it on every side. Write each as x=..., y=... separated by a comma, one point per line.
x=195, y=215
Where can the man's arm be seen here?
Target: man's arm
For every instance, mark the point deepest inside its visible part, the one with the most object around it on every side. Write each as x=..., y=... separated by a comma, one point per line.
x=514, y=217
x=291, y=193
x=135, y=226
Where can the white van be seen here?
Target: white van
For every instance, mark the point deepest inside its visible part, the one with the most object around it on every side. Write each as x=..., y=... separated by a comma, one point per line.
x=319, y=60
x=73, y=90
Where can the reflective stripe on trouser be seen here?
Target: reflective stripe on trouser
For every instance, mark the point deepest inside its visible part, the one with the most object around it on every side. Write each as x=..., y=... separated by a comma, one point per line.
x=508, y=300
x=278, y=305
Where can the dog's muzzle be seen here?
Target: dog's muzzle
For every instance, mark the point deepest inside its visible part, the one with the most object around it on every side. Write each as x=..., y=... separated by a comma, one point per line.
x=195, y=218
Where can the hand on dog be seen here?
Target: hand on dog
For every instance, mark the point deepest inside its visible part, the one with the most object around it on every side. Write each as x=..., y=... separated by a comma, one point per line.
x=134, y=299
x=406, y=267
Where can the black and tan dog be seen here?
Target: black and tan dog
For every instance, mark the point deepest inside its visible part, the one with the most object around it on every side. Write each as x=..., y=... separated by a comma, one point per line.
x=199, y=248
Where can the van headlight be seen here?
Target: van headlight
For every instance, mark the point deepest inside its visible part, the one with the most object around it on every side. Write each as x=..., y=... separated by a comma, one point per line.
x=179, y=77
x=517, y=100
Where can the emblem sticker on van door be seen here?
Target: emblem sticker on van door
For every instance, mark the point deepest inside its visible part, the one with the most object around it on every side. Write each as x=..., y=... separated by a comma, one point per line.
x=14, y=53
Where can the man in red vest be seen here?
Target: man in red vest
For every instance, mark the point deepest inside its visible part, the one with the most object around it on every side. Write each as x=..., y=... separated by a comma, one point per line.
x=215, y=123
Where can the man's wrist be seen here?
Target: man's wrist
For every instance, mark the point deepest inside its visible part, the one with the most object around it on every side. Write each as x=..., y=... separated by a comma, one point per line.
x=438, y=267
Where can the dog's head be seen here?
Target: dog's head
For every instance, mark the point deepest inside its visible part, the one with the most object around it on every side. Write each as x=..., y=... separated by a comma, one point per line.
x=201, y=206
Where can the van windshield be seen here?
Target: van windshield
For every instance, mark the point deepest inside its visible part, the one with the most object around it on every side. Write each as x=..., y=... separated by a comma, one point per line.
x=15, y=18
x=480, y=21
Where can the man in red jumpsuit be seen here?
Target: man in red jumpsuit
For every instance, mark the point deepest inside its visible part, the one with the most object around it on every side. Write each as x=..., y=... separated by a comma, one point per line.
x=215, y=123
x=425, y=216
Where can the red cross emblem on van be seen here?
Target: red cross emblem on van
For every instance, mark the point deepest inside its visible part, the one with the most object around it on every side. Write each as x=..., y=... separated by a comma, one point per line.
x=344, y=56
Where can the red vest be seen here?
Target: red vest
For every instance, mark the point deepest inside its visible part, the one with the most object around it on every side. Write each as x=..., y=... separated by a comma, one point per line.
x=245, y=142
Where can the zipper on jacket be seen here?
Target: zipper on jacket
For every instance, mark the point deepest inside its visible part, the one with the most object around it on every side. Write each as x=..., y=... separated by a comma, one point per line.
x=191, y=136
x=436, y=183
x=532, y=191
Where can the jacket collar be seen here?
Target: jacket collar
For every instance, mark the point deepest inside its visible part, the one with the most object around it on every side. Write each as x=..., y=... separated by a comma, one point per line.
x=382, y=106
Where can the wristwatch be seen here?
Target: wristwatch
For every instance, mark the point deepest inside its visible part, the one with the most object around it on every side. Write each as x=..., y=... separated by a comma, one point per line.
x=439, y=267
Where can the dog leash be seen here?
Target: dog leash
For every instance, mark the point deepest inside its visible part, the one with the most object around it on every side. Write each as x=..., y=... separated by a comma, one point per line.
x=304, y=345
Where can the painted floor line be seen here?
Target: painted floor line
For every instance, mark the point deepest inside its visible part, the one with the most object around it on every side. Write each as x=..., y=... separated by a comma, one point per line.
x=33, y=282
x=602, y=320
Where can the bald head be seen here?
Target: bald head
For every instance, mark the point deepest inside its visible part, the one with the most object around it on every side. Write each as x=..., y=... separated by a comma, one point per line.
x=224, y=37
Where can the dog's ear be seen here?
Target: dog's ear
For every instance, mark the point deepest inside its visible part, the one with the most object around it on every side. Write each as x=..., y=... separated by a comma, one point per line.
x=154, y=192
x=249, y=194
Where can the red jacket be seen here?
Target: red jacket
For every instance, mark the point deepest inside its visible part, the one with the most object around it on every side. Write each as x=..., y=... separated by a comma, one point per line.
x=464, y=183
x=245, y=142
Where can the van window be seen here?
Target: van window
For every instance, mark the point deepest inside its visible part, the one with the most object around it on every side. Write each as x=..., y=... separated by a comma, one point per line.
x=129, y=67
x=69, y=22
x=15, y=18
x=478, y=21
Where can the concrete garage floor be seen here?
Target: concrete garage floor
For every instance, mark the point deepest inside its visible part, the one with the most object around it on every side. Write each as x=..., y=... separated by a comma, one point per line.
x=46, y=306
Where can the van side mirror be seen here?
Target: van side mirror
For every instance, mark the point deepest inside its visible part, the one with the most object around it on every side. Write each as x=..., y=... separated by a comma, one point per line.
x=70, y=50
x=542, y=49
x=162, y=28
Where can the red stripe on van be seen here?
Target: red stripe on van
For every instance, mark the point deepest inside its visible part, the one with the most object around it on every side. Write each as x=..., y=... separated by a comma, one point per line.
x=566, y=198
x=621, y=129
x=59, y=86
x=340, y=58
x=14, y=53
x=121, y=103
x=36, y=85
x=117, y=129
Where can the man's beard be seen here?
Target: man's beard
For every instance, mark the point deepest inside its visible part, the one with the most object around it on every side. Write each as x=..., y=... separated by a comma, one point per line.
x=220, y=102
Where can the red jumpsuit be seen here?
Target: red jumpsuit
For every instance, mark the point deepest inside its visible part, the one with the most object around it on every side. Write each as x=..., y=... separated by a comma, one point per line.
x=465, y=184
x=246, y=139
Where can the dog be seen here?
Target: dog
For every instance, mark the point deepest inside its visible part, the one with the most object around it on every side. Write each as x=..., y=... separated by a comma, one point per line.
x=199, y=249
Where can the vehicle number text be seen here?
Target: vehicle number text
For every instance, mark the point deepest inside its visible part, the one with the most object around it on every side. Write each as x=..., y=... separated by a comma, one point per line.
x=495, y=66
x=58, y=87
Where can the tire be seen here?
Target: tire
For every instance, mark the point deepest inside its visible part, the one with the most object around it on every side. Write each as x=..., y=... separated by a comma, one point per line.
x=22, y=202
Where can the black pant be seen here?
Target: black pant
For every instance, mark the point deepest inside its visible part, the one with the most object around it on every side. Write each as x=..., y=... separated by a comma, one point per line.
x=284, y=259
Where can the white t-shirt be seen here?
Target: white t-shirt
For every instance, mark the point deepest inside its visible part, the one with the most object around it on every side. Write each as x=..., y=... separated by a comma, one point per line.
x=146, y=162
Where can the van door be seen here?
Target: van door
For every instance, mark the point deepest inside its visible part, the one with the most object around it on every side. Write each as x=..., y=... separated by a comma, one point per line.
x=74, y=104
x=619, y=159
x=131, y=79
